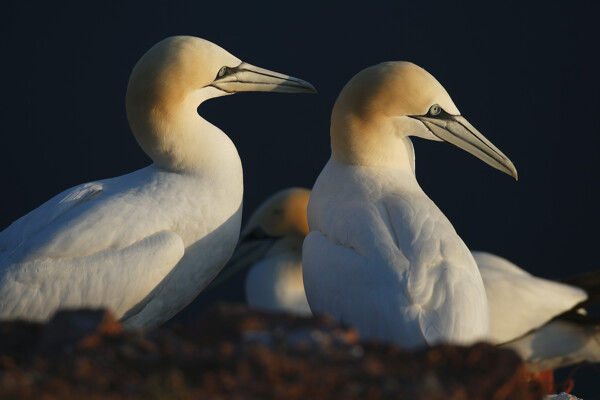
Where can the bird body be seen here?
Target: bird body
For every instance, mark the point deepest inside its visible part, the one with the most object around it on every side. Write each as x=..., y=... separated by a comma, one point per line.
x=143, y=244
x=70, y=250
x=381, y=256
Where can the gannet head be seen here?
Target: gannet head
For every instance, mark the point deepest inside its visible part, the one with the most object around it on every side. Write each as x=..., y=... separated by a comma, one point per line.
x=282, y=214
x=278, y=225
x=382, y=105
x=177, y=74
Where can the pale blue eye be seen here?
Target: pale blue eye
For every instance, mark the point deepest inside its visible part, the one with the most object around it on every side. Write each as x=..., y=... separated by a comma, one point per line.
x=222, y=72
x=435, y=109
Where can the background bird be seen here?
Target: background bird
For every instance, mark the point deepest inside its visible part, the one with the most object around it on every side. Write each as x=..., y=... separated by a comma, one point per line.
x=270, y=254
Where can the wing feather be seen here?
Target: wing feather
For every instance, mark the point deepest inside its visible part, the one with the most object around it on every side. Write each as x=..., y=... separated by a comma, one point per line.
x=520, y=302
x=442, y=278
x=114, y=278
x=355, y=290
x=13, y=237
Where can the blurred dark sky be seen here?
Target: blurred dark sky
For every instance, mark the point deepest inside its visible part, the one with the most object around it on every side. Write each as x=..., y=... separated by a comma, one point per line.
x=524, y=73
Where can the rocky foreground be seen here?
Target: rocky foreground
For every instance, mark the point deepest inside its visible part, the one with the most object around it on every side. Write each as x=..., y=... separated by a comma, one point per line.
x=235, y=353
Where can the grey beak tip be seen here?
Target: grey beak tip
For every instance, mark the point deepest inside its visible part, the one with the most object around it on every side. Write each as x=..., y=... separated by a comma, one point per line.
x=513, y=172
x=309, y=87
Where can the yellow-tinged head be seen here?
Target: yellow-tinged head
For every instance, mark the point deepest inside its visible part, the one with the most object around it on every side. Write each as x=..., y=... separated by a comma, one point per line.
x=282, y=214
x=176, y=66
x=382, y=105
x=277, y=226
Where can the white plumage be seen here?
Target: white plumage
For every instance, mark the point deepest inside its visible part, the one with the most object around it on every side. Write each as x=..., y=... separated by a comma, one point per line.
x=380, y=255
x=523, y=308
x=520, y=302
x=524, y=311
x=275, y=283
x=143, y=244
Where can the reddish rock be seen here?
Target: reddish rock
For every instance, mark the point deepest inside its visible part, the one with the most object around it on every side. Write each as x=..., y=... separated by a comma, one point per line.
x=235, y=353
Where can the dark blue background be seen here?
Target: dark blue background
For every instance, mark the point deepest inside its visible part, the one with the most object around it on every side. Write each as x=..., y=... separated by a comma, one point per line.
x=524, y=73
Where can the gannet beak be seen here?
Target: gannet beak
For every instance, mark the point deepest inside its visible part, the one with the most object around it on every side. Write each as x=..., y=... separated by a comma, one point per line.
x=249, y=251
x=457, y=130
x=248, y=78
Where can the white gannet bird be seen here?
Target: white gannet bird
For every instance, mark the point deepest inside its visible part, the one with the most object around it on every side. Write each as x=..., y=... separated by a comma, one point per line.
x=538, y=318
x=270, y=248
x=380, y=255
x=144, y=244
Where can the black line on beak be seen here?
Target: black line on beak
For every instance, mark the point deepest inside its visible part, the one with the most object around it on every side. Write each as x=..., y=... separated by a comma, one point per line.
x=444, y=116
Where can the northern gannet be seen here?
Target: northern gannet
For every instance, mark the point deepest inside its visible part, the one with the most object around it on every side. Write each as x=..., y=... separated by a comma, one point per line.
x=538, y=318
x=270, y=248
x=380, y=255
x=144, y=244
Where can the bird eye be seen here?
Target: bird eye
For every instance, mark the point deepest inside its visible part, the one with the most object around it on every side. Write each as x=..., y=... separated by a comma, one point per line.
x=222, y=72
x=435, y=109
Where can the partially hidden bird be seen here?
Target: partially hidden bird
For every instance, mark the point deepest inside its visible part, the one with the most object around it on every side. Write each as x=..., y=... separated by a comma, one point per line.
x=269, y=253
x=144, y=244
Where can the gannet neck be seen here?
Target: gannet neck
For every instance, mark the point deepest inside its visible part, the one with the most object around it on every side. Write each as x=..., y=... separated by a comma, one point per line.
x=361, y=147
x=178, y=139
x=370, y=138
x=165, y=89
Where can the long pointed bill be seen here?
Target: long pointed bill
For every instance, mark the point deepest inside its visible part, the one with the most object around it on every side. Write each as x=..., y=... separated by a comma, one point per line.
x=248, y=78
x=457, y=130
x=246, y=254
